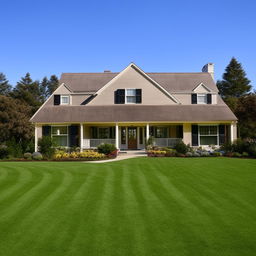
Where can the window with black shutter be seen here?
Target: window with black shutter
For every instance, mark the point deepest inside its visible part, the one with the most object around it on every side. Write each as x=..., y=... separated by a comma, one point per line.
x=222, y=134
x=194, y=98
x=120, y=96
x=194, y=135
x=73, y=136
x=138, y=95
x=209, y=98
x=56, y=100
x=46, y=130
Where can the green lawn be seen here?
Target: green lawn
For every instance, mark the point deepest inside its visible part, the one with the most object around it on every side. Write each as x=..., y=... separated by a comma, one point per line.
x=143, y=206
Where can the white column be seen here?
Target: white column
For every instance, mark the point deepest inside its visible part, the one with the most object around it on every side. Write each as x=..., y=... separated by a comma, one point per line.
x=232, y=132
x=81, y=137
x=36, y=139
x=117, y=136
x=147, y=132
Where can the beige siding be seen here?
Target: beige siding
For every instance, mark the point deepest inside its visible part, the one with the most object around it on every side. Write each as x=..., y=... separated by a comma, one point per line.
x=185, y=99
x=78, y=99
x=39, y=131
x=187, y=138
x=86, y=132
x=151, y=95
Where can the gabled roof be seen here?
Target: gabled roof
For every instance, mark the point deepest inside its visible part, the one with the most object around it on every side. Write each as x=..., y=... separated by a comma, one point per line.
x=171, y=82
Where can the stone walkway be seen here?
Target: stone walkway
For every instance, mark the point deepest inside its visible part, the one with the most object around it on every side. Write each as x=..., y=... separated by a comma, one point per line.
x=123, y=155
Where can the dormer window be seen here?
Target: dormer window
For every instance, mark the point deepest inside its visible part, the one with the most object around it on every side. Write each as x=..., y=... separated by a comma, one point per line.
x=201, y=98
x=64, y=100
x=128, y=96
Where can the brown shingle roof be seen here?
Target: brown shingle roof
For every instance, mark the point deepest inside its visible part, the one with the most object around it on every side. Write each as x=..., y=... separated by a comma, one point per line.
x=172, y=82
x=142, y=113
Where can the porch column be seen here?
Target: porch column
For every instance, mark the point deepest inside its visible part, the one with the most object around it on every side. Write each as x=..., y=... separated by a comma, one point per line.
x=117, y=136
x=36, y=139
x=147, y=132
x=232, y=132
x=81, y=137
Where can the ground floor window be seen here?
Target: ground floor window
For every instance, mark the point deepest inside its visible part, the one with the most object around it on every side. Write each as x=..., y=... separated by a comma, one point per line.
x=102, y=132
x=208, y=135
x=123, y=135
x=60, y=135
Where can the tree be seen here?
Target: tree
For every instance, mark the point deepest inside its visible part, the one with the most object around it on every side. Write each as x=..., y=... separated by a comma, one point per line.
x=28, y=91
x=5, y=87
x=44, y=88
x=246, y=114
x=14, y=120
x=53, y=84
x=234, y=82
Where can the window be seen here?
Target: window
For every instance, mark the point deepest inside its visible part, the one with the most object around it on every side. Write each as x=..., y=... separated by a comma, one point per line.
x=64, y=100
x=130, y=95
x=60, y=135
x=103, y=132
x=161, y=132
x=201, y=98
x=208, y=135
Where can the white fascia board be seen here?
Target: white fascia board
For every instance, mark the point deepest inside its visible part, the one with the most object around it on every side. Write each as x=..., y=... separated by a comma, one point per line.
x=202, y=84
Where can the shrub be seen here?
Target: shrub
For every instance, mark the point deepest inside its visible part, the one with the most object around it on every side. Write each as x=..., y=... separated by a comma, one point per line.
x=180, y=155
x=37, y=156
x=245, y=154
x=195, y=154
x=14, y=148
x=204, y=153
x=4, y=152
x=216, y=153
x=189, y=154
x=170, y=152
x=27, y=155
x=181, y=147
x=150, y=141
x=46, y=146
x=106, y=149
x=156, y=153
x=236, y=154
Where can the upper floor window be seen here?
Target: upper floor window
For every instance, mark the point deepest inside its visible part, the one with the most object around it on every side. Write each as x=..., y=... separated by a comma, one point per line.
x=128, y=96
x=201, y=98
x=64, y=100
x=61, y=99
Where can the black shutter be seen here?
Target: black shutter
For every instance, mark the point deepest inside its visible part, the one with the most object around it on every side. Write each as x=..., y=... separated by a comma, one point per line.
x=46, y=130
x=56, y=100
x=209, y=98
x=120, y=96
x=138, y=95
x=194, y=135
x=194, y=98
x=73, y=135
x=222, y=137
x=179, y=131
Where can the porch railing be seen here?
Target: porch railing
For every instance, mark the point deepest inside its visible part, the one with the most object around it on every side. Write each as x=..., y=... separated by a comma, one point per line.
x=94, y=143
x=166, y=142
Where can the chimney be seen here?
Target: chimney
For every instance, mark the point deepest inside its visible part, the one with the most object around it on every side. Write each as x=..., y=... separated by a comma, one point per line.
x=107, y=71
x=209, y=68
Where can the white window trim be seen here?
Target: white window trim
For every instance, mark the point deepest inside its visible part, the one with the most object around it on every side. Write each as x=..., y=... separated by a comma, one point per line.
x=199, y=142
x=201, y=94
x=56, y=135
x=69, y=99
x=129, y=95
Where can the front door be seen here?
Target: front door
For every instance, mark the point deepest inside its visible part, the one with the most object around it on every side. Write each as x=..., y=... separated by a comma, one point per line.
x=132, y=137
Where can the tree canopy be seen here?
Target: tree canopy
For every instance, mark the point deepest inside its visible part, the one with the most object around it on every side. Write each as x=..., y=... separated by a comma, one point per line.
x=5, y=87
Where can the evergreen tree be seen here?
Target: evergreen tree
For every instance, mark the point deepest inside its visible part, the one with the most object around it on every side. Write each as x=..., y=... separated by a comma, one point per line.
x=234, y=82
x=5, y=87
x=53, y=84
x=28, y=91
x=44, y=88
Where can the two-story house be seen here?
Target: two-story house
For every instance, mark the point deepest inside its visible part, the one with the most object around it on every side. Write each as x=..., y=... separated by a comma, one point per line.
x=127, y=108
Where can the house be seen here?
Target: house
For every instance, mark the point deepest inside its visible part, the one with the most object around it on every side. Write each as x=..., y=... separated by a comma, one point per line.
x=126, y=108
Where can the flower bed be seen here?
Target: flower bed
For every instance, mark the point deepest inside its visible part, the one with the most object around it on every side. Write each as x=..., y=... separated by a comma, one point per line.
x=88, y=155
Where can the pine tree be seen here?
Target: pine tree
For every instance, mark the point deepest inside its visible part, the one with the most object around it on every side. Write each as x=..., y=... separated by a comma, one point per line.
x=44, y=88
x=28, y=91
x=234, y=82
x=5, y=87
x=53, y=84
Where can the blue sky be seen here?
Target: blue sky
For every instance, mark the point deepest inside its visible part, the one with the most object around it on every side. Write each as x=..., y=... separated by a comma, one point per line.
x=51, y=37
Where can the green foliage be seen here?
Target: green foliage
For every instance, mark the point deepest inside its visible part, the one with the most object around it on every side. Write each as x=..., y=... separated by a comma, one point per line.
x=5, y=87
x=245, y=154
x=106, y=149
x=150, y=141
x=189, y=154
x=46, y=146
x=234, y=81
x=27, y=155
x=236, y=154
x=216, y=153
x=15, y=148
x=4, y=152
x=37, y=156
x=181, y=147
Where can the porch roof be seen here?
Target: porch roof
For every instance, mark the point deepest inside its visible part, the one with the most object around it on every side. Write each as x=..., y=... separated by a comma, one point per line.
x=134, y=113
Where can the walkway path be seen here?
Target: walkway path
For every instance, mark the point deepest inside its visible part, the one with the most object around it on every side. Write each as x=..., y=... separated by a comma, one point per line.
x=123, y=155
